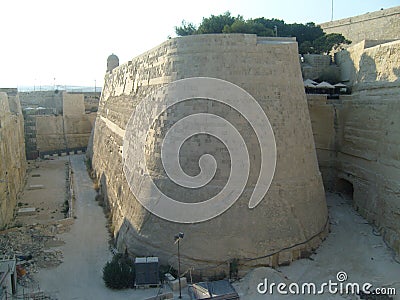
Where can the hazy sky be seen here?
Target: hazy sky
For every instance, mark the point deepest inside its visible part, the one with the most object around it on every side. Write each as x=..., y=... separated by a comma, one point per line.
x=71, y=40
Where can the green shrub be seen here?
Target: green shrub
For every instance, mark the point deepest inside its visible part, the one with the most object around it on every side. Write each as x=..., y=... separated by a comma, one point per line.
x=119, y=273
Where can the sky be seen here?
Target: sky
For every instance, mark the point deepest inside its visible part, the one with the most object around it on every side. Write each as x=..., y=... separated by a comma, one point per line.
x=48, y=42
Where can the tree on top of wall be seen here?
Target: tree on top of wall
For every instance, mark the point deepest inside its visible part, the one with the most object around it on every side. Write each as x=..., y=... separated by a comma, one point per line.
x=327, y=42
x=215, y=24
x=310, y=36
x=185, y=29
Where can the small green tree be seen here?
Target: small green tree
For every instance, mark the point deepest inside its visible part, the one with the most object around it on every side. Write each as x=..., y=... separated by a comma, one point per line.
x=185, y=29
x=306, y=48
x=325, y=43
x=248, y=26
x=119, y=273
x=215, y=24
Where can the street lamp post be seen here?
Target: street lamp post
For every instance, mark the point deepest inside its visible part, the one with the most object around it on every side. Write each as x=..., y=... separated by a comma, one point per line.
x=177, y=239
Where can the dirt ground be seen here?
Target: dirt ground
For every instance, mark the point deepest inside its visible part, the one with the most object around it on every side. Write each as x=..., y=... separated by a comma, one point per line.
x=45, y=191
x=353, y=246
x=34, y=234
x=85, y=251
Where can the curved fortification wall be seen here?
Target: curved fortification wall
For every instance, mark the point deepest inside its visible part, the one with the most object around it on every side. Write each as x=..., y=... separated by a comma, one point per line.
x=292, y=217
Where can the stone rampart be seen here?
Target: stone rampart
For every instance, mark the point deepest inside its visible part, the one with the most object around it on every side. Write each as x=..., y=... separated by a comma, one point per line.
x=292, y=215
x=380, y=25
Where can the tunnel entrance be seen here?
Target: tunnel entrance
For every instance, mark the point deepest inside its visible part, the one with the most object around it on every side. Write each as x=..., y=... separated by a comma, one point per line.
x=345, y=188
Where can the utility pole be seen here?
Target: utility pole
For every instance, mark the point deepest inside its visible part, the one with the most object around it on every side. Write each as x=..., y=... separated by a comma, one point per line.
x=179, y=272
x=332, y=11
x=177, y=239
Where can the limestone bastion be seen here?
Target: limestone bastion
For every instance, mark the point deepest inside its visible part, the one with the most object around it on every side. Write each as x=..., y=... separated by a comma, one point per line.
x=292, y=217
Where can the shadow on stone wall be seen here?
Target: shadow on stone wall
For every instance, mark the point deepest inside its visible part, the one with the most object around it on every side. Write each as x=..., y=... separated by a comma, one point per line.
x=368, y=67
x=367, y=72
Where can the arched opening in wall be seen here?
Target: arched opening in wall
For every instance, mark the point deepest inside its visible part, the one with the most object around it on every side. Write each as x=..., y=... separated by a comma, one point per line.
x=345, y=188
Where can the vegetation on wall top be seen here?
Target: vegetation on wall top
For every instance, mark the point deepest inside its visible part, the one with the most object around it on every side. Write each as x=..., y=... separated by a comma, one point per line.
x=310, y=37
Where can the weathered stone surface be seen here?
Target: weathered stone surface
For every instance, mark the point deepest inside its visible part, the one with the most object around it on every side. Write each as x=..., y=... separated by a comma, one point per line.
x=71, y=130
x=358, y=138
x=382, y=24
x=293, y=212
x=314, y=66
x=48, y=99
x=49, y=133
x=323, y=114
x=73, y=104
x=12, y=153
x=56, y=121
x=370, y=65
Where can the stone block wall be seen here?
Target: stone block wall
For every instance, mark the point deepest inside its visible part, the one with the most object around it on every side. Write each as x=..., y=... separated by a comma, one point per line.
x=370, y=64
x=12, y=153
x=314, y=65
x=91, y=100
x=48, y=132
x=294, y=209
x=379, y=25
x=73, y=104
x=358, y=137
x=56, y=133
x=48, y=99
x=323, y=116
x=77, y=130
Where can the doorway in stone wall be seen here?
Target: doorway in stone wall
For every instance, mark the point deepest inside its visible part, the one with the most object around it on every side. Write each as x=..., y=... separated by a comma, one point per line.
x=346, y=189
